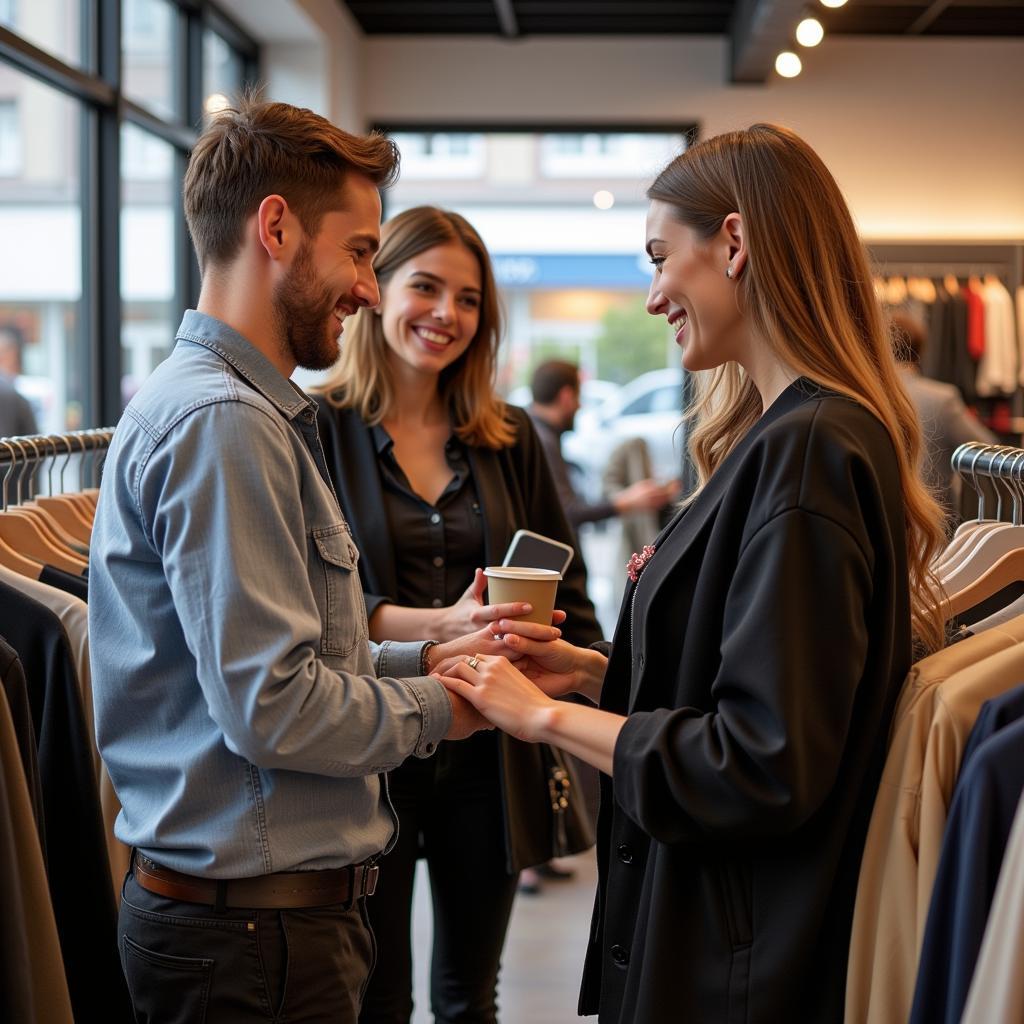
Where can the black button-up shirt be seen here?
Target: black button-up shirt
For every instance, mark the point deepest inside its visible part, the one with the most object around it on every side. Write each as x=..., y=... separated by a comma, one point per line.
x=437, y=546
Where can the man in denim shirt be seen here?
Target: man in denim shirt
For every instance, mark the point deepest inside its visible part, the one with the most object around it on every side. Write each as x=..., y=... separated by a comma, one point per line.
x=242, y=715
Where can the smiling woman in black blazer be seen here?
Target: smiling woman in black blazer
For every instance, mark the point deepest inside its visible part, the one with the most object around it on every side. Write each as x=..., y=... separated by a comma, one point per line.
x=435, y=474
x=746, y=702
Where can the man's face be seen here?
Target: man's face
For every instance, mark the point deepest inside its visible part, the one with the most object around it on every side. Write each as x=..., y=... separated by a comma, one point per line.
x=569, y=405
x=329, y=278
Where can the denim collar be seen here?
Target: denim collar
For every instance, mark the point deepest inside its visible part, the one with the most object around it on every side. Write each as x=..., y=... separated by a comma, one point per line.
x=252, y=364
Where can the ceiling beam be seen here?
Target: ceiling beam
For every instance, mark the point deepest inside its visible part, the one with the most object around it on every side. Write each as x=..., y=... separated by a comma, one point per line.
x=507, y=18
x=759, y=30
x=923, y=22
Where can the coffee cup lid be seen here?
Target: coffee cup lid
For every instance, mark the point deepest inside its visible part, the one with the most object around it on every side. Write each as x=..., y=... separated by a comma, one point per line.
x=519, y=572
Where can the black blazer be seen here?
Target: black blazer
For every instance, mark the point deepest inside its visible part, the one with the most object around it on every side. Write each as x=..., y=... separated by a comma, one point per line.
x=759, y=669
x=515, y=491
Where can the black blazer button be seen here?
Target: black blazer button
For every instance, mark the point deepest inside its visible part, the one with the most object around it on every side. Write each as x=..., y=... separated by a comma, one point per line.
x=625, y=854
x=620, y=956
x=640, y=660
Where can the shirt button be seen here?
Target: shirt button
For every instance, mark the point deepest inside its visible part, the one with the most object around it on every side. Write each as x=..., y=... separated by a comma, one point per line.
x=437, y=603
x=429, y=748
x=435, y=518
x=620, y=956
x=625, y=854
x=438, y=561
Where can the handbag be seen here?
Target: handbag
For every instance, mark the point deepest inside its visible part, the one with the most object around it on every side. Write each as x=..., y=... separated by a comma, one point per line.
x=571, y=828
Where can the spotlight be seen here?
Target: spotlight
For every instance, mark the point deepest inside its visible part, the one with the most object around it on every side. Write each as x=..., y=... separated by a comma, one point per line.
x=604, y=200
x=788, y=64
x=810, y=32
x=833, y=3
x=215, y=103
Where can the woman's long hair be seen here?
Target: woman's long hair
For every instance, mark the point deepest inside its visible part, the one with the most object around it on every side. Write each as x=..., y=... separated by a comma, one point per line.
x=808, y=292
x=362, y=378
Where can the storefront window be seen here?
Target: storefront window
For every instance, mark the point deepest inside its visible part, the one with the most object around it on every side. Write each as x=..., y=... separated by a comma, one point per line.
x=149, y=198
x=149, y=44
x=52, y=25
x=41, y=344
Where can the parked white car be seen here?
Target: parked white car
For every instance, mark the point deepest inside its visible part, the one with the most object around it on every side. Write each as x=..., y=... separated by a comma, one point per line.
x=651, y=407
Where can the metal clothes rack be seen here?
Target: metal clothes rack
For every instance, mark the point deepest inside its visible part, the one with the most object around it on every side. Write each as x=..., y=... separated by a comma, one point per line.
x=25, y=457
x=1002, y=467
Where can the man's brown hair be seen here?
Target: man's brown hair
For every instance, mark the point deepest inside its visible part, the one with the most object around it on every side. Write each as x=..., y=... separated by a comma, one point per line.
x=550, y=377
x=254, y=150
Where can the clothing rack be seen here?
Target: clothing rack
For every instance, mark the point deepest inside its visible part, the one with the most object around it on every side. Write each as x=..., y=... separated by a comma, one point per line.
x=31, y=451
x=999, y=464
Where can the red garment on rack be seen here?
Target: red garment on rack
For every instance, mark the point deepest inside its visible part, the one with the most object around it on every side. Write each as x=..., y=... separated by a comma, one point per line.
x=975, y=323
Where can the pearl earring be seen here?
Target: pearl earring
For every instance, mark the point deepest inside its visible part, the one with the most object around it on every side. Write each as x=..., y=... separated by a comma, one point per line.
x=728, y=272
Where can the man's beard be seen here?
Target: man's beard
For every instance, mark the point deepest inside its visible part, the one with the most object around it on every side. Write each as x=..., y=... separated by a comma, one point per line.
x=304, y=314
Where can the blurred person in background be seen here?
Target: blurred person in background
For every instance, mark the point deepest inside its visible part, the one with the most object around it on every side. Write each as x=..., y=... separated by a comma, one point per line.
x=946, y=422
x=556, y=400
x=16, y=416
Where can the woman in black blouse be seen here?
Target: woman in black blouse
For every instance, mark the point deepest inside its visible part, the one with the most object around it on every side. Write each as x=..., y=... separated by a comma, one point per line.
x=434, y=474
x=761, y=645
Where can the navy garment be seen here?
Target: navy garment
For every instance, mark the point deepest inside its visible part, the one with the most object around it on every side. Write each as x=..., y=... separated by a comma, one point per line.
x=984, y=804
x=66, y=581
x=77, y=868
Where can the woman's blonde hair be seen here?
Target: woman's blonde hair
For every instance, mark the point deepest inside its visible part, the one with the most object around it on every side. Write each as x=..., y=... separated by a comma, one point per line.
x=808, y=291
x=362, y=378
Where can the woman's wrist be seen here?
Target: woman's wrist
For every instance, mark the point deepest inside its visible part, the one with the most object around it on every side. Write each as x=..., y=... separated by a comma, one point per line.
x=590, y=670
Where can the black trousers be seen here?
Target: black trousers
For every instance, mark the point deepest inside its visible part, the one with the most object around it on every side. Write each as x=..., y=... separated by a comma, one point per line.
x=450, y=811
x=188, y=964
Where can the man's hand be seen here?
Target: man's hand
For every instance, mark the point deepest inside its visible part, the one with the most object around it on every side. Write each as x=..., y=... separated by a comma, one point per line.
x=466, y=720
x=645, y=495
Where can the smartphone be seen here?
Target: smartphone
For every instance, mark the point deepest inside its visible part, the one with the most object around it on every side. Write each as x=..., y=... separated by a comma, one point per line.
x=531, y=550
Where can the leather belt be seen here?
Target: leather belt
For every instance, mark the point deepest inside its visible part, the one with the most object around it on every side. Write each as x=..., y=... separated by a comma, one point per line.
x=282, y=891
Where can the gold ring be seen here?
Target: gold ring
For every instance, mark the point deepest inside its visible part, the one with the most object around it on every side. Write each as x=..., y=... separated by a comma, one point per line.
x=474, y=661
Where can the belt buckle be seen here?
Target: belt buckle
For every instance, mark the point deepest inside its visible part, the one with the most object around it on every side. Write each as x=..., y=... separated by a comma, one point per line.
x=370, y=876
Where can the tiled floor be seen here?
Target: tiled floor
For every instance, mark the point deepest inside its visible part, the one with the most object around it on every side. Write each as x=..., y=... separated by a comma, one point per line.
x=544, y=951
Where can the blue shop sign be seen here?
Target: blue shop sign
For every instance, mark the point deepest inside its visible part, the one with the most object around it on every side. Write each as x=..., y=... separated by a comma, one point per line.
x=572, y=270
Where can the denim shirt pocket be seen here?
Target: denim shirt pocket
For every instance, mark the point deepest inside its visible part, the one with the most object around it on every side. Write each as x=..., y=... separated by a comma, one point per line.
x=340, y=595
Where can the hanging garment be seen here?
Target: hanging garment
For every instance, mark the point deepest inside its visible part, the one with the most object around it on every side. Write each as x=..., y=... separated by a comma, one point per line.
x=32, y=983
x=980, y=819
x=74, y=617
x=975, y=322
x=997, y=370
x=12, y=682
x=938, y=706
x=996, y=995
x=76, y=857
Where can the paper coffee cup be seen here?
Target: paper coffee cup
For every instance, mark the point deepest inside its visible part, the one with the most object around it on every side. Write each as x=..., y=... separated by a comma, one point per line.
x=507, y=583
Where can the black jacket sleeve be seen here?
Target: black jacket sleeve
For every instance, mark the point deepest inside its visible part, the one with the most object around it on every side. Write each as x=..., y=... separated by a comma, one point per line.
x=793, y=650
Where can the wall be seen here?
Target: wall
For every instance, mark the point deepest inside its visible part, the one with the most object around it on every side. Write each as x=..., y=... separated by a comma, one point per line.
x=923, y=135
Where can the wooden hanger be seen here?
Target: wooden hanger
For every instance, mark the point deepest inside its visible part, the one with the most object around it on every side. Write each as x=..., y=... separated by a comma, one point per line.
x=25, y=535
x=59, y=507
x=1009, y=569
x=968, y=530
x=994, y=545
x=951, y=284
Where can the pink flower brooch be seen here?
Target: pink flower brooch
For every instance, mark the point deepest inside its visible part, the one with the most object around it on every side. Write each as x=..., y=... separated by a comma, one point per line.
x=636, y=562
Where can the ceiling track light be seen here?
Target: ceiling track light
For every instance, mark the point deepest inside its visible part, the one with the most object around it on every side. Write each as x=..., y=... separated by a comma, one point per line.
x=833, y=3
x=810, y=31
x=788, y=64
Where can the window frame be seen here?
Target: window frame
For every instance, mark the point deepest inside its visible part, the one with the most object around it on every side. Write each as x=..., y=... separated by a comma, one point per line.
x=97, y=85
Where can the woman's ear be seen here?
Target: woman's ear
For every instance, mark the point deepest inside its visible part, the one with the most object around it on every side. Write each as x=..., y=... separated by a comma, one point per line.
x=733, y=240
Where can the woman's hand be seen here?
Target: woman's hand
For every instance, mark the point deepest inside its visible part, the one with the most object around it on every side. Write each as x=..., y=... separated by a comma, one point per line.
x=470, y=614
x=555, y=665
x=501, y=693
x=483, y=641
